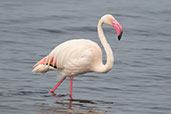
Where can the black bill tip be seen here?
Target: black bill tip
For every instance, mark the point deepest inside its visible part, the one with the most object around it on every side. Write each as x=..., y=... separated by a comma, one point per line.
x=119, y=37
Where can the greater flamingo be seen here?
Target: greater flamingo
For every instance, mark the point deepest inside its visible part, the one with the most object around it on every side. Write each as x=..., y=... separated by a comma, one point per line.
x=80, y=56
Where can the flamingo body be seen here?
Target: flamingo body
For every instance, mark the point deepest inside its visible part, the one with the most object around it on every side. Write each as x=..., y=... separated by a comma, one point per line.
x=72, y=57
x=80, y=56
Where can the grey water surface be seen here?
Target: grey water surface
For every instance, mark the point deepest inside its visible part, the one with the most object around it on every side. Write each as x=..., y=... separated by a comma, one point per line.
x=139, y=83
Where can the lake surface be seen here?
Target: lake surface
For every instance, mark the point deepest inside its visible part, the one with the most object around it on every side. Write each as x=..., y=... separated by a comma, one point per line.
x=139, y=83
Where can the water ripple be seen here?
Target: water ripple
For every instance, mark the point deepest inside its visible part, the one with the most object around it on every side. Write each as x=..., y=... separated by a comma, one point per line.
x=51, y=30
x=83, y=29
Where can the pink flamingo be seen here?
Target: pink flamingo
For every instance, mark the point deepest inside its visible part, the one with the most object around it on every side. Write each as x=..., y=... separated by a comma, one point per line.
x=80, y=56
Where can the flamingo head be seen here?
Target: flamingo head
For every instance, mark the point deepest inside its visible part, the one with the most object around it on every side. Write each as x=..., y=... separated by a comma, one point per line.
x=111, y=21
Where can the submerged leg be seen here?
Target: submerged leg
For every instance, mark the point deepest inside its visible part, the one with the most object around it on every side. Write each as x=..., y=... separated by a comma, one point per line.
x=70, y=91
x=54, y=88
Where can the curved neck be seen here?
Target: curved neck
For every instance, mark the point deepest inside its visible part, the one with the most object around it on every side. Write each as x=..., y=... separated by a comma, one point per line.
x=110, y=59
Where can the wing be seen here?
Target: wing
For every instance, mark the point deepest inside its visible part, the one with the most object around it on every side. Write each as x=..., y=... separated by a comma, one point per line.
x=72, y=57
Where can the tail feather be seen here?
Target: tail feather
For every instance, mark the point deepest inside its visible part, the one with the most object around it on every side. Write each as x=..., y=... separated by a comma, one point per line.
x=46, y=60
x=41, y=68
x=43, y=65
x=42, y=61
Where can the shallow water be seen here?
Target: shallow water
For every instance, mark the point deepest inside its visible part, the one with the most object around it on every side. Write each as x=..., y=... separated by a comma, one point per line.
x=139, y=83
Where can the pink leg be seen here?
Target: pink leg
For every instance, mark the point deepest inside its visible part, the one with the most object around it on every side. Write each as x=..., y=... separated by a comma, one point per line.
x=70, y=91
x=54, y=88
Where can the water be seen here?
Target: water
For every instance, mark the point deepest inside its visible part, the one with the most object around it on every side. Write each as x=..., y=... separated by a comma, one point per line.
x=139, y=83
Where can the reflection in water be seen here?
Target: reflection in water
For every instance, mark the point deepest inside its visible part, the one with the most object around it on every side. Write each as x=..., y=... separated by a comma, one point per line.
x=74, y=106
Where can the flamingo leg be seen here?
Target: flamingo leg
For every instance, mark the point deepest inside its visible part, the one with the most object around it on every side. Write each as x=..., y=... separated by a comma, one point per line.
x=54, y=88
x=70, y=91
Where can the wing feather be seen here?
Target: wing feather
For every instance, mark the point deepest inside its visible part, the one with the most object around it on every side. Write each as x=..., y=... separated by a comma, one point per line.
x=73, y=57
